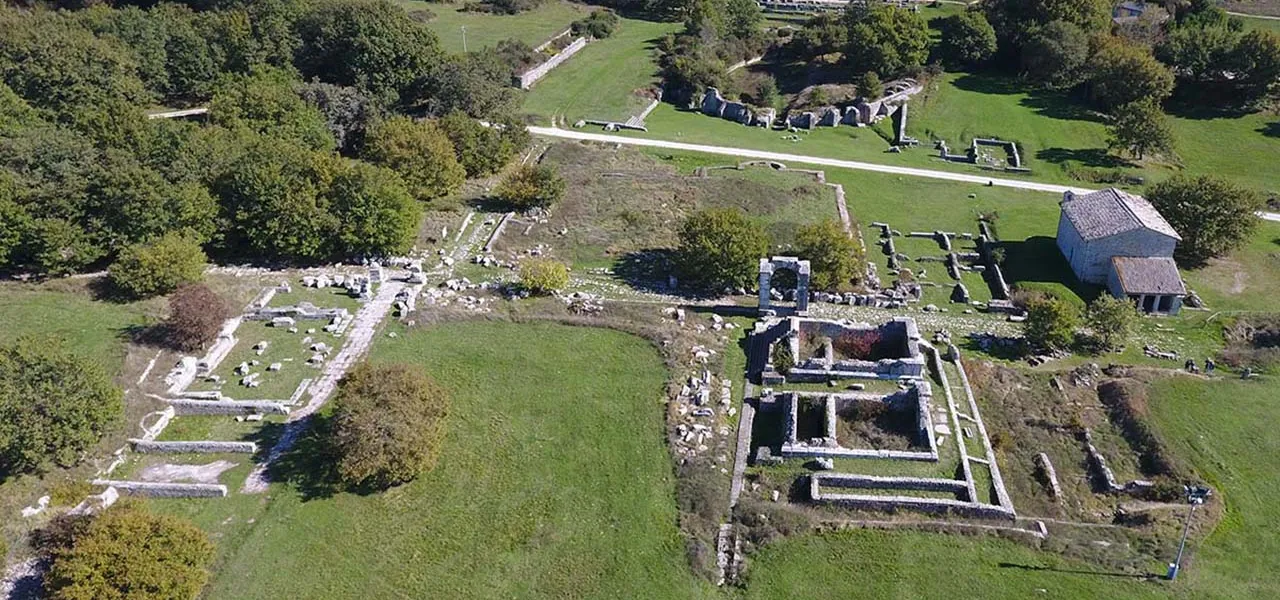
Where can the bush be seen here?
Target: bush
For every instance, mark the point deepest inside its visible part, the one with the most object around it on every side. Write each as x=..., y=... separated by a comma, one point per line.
x=599, y=24
x=128, y=552
x=531, y=186
x=835, y=257
x=870, y=86
x=196, y=314
x=54, y=406
x=858, y=345
x=783, y=360
x=543, y=275
x=388, y=425
x=1050, y=324
x=159, y=267
x=720, y=248
x=1112, y=320
x=69, y=492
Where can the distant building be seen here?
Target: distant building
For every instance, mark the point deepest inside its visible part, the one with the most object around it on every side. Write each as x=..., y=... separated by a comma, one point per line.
x=1118, y=240
x=1133, y=10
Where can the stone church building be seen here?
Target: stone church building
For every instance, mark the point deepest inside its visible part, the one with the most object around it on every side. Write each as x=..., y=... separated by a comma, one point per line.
x=1119, y=240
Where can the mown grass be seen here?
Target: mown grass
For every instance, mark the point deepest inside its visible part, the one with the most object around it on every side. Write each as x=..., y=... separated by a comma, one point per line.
x=602, y=80
x=486, y=29
x=1056, y=136
x=67, y=310
x=553, y=482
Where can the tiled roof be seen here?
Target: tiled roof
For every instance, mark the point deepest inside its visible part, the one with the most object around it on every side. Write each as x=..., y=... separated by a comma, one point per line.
x=1108, y=212
x=1156, y=275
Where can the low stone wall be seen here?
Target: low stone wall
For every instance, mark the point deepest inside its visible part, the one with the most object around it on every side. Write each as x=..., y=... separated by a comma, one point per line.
x=1050, y=475
x=526, y=80
x=894, y=503
x=228, y=407
x=165, y=490
x=193, y=447
x=901, y=331
x=880, y=482
x=304, y=310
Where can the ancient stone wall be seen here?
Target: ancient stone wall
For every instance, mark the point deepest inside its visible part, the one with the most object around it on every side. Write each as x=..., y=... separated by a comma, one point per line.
x=228, y=407
x=193, y=447
x=165, y=490
x=526, y=80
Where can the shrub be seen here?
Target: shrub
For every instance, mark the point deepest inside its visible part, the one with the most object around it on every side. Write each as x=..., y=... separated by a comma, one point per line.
x=1112, y=320
x=599, y=24
x=128, y=552
x=870, y=86
x=858, y=345
x=720, y=248
x=54, y=406
x=783, y=361
x=196, y=314
x=158, y=267
x=1050, y=324
x=543, y=275
x=835, y=257
x=388, y=425
x=531, y=186
x=69, y=492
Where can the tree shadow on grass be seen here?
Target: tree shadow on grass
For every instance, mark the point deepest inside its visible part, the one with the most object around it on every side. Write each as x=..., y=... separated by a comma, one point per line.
x=647, y=270
x=1048, y=103
x=1037, y=260
x=1089, y=157
x=1270, y=130
x=309, y=465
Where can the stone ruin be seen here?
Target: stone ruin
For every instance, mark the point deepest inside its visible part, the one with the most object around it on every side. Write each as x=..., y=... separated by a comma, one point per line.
x=767, y=294
x=861, y=113
x=916, y=397
x=898, y=343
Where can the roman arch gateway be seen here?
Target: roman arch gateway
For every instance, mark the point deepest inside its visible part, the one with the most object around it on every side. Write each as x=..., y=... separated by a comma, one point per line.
x=801, y=268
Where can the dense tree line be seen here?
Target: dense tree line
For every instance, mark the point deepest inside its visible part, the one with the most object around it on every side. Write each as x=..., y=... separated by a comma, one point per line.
x=715, y=35
x=305, y=155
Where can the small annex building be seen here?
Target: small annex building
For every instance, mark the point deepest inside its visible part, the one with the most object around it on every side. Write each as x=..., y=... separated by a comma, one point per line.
x=1119, y=240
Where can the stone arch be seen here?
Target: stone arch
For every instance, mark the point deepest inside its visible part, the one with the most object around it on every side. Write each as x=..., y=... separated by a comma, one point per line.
x=801, y=269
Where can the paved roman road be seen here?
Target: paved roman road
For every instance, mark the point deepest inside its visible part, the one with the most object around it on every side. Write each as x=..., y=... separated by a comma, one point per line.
x=797, y=158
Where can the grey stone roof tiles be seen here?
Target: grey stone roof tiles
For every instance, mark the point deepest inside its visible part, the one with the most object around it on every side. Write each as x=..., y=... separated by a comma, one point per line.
x=1108, y=212
x=1154, y=275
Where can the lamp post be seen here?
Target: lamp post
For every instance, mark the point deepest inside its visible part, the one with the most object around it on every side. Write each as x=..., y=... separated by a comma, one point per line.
x=1196, y=496
x=464, y=38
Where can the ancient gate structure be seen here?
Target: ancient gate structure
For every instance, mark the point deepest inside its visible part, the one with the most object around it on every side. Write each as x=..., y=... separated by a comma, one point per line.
x=799, y=267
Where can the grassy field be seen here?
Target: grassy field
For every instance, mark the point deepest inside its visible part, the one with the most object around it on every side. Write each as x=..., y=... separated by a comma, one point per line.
x=555, y=485
x=602, y=80
x=486, y=29
x=1055, y=137
x=66, y=310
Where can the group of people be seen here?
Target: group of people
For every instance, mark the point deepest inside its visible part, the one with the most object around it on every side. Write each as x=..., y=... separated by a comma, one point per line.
x=1209, y=366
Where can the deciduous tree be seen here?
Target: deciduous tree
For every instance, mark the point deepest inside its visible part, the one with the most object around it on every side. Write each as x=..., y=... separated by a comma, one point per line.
x=1111, y=320
x=126, y=552
x=531, y=186
x=1055, y=54
x=720, y=248
x=1051, y=324
x=420, y=152
x=543, y=275
x=54, y=405
x=1212, y=215
x=196, y=314
x=835, y=258
x=1121, y=73
x=378, y=215
x=1140, y=128
x=967, y=39
x=158, y=267
x=886, y=39
x=388, y=425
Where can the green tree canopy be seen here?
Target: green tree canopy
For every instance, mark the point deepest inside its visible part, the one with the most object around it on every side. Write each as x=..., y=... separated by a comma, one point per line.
x=967, y=39
x=1112, y=320
x=388, y=425
x=420, y=152
x=126, y=552
x=1140, y=128
x=1212, y=215
x=531, y=186
x=377, y=215
x=543, y=275
x=54, y=405
x=267, y=102
x=1055, y=55
x=1051, y=324
x=483, y=150
x=371, y=45
x=158, y=267
x=720, y=248
x=1121, y=73
x=835, y=258
x=885, y=39
x=1017, y=21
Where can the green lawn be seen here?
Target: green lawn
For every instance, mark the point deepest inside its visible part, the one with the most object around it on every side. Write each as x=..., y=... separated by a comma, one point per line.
x=601, y=80
x=553, y=482
x=486, y=29
x=64, y=310
x=1266, y=24
x=1055, y=136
